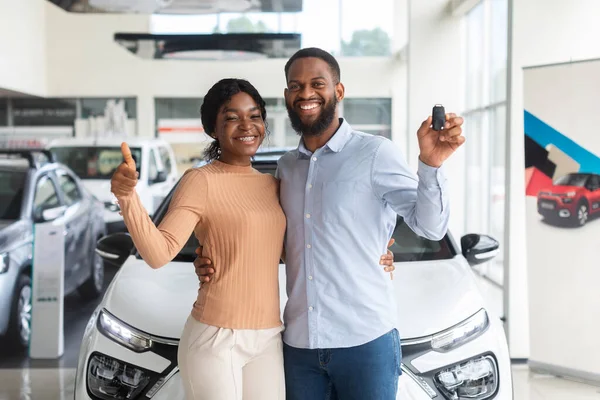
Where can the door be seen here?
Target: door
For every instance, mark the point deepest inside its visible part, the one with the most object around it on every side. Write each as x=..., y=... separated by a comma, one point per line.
x=77, y=221
x=593, y=186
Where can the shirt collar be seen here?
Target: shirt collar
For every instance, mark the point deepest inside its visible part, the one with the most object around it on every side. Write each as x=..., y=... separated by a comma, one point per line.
x=337, y=141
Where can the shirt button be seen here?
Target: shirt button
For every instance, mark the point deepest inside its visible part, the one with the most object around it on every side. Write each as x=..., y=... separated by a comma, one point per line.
x=307, y=215
x=309, y=186
x=310, y=277
x=314, y=158
x=310, y=308
x=308, y=246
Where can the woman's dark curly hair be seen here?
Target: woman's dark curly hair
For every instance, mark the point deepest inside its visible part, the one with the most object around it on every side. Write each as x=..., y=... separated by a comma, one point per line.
x=219, y=95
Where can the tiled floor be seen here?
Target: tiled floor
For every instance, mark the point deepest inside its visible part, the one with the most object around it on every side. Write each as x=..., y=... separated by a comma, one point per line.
x=57, y=384
x=529, y=386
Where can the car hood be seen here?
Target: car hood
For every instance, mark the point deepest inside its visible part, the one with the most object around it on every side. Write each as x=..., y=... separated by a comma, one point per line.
x=100, y=188
x=12, y=232
x=432, y=296
x=435, y=295
x=561, y=189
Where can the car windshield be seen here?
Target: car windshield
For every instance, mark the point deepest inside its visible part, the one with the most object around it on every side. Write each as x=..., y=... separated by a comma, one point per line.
x=408, y=246
x=578, y=180
x=12, y=184
x=91, y=162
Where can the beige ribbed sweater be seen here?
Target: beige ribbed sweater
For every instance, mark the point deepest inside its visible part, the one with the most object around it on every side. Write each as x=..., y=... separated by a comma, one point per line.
x=235, y=214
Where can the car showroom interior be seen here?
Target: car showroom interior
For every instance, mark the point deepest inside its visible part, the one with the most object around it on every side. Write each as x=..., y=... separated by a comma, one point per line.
x=242, y=199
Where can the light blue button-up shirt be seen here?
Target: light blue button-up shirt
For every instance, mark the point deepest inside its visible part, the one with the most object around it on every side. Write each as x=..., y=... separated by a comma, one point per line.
x=341, y=203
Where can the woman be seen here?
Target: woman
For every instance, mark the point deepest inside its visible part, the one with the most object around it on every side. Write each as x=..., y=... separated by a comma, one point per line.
x=231, y=344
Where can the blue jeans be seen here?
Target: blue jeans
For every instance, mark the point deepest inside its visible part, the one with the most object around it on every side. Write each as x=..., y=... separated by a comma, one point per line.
x=366, y=372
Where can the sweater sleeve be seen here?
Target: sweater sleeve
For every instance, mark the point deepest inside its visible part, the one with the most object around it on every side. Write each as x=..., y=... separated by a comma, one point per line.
x=159, y=245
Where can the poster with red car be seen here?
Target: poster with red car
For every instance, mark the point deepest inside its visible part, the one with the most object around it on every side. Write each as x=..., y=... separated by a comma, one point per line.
x=562, y=175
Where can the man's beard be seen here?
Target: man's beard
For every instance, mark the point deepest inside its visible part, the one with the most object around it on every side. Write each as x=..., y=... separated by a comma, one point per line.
x=316, y=128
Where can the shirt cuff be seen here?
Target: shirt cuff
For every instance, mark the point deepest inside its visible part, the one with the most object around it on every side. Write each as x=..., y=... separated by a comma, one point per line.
x=431, y=176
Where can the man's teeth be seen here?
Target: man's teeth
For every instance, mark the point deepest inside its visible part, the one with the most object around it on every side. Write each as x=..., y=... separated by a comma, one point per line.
x=309, y=106
x=246, y=138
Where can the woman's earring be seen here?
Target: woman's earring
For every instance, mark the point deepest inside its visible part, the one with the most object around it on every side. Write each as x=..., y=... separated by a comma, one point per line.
x=219, y=151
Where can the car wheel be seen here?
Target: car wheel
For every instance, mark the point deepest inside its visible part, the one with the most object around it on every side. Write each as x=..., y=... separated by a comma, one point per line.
x=93, y=286
x=582, y=214
x=19, y=330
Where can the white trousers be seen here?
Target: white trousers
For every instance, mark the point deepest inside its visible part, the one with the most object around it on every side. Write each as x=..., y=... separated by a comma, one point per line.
x=230, y=364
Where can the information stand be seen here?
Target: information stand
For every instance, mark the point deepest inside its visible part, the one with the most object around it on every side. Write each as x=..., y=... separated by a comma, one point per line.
x=47, y=299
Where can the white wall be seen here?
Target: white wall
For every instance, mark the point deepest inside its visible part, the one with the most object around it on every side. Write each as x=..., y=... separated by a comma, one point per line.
x=23, y=46
x=563, y=287
x=85, y=61
x=434, y=76
x=542, y=32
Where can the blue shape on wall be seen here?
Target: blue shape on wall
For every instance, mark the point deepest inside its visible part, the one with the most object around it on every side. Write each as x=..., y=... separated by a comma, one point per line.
x=543, y=134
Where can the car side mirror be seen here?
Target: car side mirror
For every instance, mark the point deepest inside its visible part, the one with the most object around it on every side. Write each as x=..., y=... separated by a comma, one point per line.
x=48, y=214
x=478, y=249
x=115, y=248
x=161, y=176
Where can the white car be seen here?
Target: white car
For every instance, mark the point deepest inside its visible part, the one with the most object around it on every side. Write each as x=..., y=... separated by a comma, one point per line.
x=453, y=346
x=95, y=159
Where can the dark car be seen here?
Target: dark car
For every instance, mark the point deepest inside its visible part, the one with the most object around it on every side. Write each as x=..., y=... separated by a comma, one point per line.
x=34, y=189
x=573, y=197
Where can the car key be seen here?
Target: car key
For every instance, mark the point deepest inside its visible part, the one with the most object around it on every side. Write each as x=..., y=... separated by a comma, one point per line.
x=438, y=117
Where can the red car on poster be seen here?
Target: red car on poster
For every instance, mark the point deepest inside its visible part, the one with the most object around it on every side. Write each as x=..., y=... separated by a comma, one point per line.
x=573, y=197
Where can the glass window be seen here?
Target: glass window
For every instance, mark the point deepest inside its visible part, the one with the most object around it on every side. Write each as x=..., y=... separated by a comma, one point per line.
x=43, y=112
x=70, y=189
x=248, y=23
x=409, y=246
x=475, y=195
x=45, y=196
x=175, y=108
x=594, y=183
x=346, y=27
x=498, y=50
x=152, y=167
x=12, y=185
x=165, y=157
x=578, y=180
x=94, y=162
x=475, y=57
x=97, y=106
x=366, y=27
x=3, y=112
x=368, y=111
x=485, y=126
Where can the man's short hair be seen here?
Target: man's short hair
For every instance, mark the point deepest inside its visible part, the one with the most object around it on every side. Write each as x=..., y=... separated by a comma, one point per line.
x=316, y=53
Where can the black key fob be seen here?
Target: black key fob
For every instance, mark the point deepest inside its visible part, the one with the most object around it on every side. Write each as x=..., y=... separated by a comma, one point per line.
x=438, y=117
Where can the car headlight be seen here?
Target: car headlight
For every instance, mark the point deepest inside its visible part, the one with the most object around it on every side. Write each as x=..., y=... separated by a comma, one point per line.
x=111, y=379
x=117, y=330
x=462, y=333
x=4, y=263
x=112, y=206
x=476, y=379
x=570, y=194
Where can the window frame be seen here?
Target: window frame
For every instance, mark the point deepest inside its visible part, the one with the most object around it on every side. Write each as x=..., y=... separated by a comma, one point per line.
x=165, y=157
x=59, y=175
x=45, y=176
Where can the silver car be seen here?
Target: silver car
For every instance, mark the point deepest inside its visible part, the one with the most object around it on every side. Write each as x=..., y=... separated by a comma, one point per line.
x=35, y=189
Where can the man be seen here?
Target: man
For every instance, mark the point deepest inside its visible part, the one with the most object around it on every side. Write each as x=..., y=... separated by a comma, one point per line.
x=341, y=191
